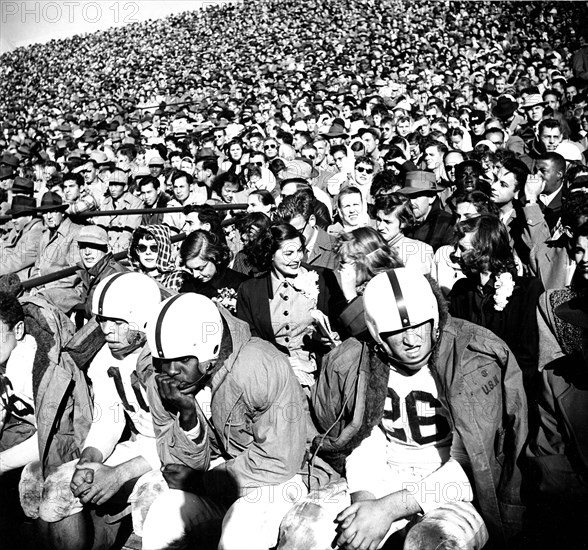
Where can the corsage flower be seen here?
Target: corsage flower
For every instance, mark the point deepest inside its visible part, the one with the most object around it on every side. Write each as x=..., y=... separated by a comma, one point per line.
x=307, y=283
x=504, y=286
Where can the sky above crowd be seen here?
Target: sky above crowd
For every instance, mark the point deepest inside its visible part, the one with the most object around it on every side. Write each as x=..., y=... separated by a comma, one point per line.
x=29, y=22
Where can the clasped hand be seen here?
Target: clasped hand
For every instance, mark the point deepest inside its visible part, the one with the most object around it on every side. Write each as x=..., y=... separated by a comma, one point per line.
x=95, y=483
x=363, y=525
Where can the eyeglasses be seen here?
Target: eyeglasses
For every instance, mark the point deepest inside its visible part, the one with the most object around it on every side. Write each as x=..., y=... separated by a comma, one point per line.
x=361, y=170
x=270, y=146
x=310, y=157
x=142, y=248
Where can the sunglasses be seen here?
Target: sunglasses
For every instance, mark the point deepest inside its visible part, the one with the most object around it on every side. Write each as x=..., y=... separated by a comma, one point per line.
x=142, y=248
x=361, y=170
x=260, y=164
x=270, y=146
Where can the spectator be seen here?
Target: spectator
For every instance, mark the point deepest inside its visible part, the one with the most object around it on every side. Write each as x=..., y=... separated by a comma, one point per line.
x=153, y=197
x=58, y=249
x=393, y=217
x=263, y=455
x=97, y=264
x=20, y=249
x=119, y=226
x=150, y=252
x=432, y=225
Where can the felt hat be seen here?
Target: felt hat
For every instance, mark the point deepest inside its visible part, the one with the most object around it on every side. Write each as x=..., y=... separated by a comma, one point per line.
x=420, y=182
x=52, y=202
x=21, y=206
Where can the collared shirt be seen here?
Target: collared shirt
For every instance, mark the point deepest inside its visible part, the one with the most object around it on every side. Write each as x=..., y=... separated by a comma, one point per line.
x=58, y=250
x=312, y=241
x=291, y=320
x=546, y=199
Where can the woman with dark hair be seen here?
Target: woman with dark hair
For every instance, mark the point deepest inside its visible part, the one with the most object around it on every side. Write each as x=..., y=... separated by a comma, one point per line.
x=492, y=294
x=224, y=187
x=150, y=252
x=207, y=259
x=249, y=228
x=236, y=157
x=289, y=306
x=467, y=205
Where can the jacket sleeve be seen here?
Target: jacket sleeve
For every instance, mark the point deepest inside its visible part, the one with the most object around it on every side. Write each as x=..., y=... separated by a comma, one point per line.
x=549, y=464
x=536, y=230
x=549, y=349
x=244, y=308
x=23, y=254
x=174, y=445
x=275, y=404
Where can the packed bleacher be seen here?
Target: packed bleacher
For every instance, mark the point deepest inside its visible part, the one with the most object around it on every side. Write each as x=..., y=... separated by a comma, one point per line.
x=298, y=275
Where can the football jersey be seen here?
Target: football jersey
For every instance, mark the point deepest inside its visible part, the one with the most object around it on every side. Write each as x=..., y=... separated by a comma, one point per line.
x=415, y=424
x=18, y=398
x=118, y=396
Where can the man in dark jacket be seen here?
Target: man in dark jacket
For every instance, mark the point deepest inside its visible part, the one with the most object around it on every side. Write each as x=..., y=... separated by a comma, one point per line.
x=153, y=197
x=97, y=264
x=433, y=226
x=398, y=457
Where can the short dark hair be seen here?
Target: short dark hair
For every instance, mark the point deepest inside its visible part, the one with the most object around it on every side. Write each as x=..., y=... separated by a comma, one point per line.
x=226, y=177
x=207, y=214
x=11, y=311
x=519, y=169
x=149, y=180
x=265, y=197
x=549, y=123
x=181, y=174
x=209, y=164
x=298, y=204
x=78, y=178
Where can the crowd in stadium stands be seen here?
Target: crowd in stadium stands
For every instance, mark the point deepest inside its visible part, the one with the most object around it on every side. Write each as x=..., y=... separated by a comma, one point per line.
x=347, y=305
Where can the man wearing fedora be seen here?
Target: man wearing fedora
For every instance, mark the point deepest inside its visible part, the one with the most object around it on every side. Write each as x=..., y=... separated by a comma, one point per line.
x=58, y=249
x=506, y=110
x=22, y=186
x=533, y=107
x=20, y=249
x=433, y=225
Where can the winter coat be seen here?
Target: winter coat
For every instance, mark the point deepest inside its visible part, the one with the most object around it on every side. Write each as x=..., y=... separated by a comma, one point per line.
x=253, y=394
x=481, y=386
x=63, y=407
x=90, y=278
x=20, y=250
